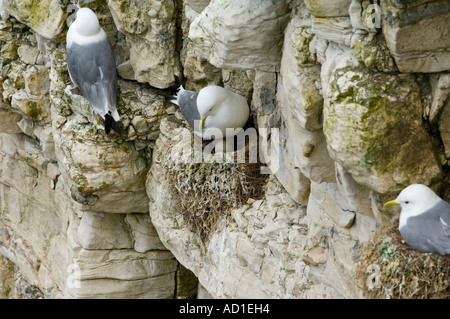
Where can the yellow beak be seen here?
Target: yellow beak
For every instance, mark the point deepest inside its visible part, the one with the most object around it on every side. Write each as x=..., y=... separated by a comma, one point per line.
x=200, y=126
x=391, y=203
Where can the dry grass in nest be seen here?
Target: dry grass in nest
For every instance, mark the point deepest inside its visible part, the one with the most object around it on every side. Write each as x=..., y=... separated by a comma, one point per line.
x=205, y=192
x=404, y=273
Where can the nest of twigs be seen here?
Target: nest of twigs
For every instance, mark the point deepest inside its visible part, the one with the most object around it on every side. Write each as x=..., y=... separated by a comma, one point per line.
x=391, y=269
x=205, y=192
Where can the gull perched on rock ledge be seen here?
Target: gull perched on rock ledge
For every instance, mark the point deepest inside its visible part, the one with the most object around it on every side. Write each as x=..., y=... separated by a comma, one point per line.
x=424, y=219
x=91, y=66
x=212, y=107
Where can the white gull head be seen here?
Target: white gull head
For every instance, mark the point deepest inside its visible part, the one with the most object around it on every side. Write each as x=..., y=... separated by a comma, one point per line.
x=220, y=109
x=414, y=200
x=208, y=98
x=86, y=22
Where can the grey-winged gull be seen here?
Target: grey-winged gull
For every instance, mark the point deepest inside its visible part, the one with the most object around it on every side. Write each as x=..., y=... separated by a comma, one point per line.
x=91, y=66
x=213, y=107
x=424, y=219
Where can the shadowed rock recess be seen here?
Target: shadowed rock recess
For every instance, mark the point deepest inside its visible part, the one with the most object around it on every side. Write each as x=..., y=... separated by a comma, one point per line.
x=351, y=100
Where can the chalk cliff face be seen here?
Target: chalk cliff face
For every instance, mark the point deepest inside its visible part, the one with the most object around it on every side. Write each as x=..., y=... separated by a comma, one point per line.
x=354, y=95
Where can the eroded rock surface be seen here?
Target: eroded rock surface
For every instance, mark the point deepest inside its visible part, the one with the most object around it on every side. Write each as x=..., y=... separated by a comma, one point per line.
x=351, y=101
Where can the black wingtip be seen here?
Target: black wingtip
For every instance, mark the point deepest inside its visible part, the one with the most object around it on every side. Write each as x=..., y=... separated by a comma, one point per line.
x=174, y=88
x=110, y=123
x=177, y=81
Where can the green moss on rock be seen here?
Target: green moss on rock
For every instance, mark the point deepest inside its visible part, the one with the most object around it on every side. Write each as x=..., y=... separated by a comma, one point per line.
x=33, y=110
x=372, y=50
x=9, y=51
x=374, y=128
x=301, y=38
x=45, y=17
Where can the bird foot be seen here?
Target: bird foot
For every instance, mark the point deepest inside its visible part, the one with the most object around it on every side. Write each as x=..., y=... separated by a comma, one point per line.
x=76, y=91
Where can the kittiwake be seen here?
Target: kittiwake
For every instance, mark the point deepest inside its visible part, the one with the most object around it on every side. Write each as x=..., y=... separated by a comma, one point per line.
x=213, y=107
x=424, y=219
x=91, y=66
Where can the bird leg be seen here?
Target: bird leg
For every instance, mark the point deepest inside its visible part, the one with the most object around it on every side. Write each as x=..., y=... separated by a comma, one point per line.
x=76, y=91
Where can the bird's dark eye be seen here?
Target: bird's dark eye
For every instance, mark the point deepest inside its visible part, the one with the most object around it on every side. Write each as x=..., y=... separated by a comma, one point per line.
x=407, y=202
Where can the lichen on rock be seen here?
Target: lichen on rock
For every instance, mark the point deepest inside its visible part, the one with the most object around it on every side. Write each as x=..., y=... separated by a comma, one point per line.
x=151, y=33
x=46, y=17
x=90, y=215
x=372, y=50
x=374, y=129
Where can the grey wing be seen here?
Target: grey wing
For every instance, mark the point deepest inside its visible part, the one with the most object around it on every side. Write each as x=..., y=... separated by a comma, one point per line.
x=445, y=226
x=93, y=71
x=439, y=237
x=441, y=244
x=444, y=218
x=187, y=101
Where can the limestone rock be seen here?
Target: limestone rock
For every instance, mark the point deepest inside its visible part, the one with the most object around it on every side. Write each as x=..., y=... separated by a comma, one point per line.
x=371, y=133
x=372, y=50
x=274, y=136
x=90, y=215
x=105, y=170
x=298, y=71
x=328, y=8
x=29, y=55
x=9, y=51
x=34, y=107
x=150, y=27
x=6, y=278
x=122, y=273
x=227, y=30
x=440, y=84
x=268, y=248
x=327, y=209
x=25, y=83
x=415, y=33
x=37, y=80
x=258, y=252
x=202, y=293
x=356, y=196
x=336, y=29
x=302, y=105
x=47, y=17
x=30, y=225
x=103, y=231
x=355, y=11
x=441, y=106
x=144, y=233
x=264, y=99
x=141, y=109
x=47, y=254
x=238, y=81
x=46, y=142
x=292, y=178
x=115, y=170
x=8, y=121
x=199, y=72
x=241, y=260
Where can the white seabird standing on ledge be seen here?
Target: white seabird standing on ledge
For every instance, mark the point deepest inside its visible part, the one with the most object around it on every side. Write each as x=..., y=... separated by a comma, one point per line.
x=213, y=107
x=424, y=219
x=91, y=66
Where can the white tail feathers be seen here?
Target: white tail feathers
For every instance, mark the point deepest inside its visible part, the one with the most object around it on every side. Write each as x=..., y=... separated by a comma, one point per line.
x=115, y=114
x=176, y=96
